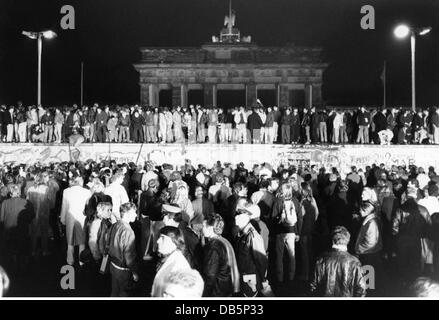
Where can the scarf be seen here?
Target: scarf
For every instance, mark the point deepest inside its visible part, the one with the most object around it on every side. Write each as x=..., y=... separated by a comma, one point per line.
x=231, y=260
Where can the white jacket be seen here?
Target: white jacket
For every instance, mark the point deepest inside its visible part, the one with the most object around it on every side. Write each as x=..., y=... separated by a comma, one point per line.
x=338, y=120
x=238, y=116
x=176, y=261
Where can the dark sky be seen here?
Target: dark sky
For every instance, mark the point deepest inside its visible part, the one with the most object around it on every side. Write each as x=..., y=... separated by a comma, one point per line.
x=109, y=33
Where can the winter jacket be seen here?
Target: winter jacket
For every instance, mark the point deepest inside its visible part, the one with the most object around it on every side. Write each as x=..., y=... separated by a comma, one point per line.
x=338, y=274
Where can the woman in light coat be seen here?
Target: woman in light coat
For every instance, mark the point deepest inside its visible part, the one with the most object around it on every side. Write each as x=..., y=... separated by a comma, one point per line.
x=73, y=217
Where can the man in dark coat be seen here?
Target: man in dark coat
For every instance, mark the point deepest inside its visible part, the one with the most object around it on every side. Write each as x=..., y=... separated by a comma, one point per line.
x=363, y=126
x=286, y=126
x=295, y=126
x=101, y=125
x=314, y=125
x=137, y=122
x=380, y=122
x=254, y=124
x=2, y=122
x=217, y=269
x=417, y=126
x=338, y=273
x=410, y=224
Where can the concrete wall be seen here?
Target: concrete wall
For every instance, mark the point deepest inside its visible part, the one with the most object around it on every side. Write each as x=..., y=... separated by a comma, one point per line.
x=341, y=157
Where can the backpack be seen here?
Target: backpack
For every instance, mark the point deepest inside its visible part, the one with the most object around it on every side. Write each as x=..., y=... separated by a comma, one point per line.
x=288, y=215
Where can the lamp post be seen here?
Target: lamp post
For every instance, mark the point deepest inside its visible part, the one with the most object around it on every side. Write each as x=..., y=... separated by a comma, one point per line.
x=402, y=31
x=48, y=34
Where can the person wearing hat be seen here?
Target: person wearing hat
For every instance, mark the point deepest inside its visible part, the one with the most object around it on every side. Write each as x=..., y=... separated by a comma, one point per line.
x=254, y=212
x=250, y=253
x=174, y=218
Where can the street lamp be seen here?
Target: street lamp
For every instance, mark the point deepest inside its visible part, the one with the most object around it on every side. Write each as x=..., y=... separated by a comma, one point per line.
x=48, y=34
x=401, y=32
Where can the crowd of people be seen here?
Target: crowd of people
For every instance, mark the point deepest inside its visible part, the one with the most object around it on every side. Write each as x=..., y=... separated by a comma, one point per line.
x=226, y=230
x=197, y=124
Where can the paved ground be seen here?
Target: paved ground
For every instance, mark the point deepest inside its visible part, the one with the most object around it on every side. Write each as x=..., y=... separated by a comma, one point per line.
x=42, y=278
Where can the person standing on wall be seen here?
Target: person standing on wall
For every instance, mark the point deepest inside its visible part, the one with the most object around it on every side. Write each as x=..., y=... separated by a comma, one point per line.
x=47, y=121
x=285, y=126
x=363, y=125
x=212, y=125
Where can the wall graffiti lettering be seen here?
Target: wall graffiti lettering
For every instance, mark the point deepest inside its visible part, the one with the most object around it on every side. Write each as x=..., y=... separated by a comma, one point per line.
x=341, y=157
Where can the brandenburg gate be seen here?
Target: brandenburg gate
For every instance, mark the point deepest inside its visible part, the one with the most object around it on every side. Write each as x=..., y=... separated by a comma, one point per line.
x=231, y=62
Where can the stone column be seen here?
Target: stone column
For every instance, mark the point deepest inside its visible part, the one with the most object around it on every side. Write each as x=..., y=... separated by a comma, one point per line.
x=144, y=94
x=154, y=95
x=176, y=96
x=251, y=94
x=308, y=95
x=209, y=94
x=317, y=95
x=284, y=96
x=214, y=95
x=183, y=95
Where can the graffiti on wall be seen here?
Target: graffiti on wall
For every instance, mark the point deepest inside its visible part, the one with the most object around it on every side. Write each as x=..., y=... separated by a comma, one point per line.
x=341, y=157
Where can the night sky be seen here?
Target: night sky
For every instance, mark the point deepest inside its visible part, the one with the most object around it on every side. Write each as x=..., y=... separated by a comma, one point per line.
x=109, y=33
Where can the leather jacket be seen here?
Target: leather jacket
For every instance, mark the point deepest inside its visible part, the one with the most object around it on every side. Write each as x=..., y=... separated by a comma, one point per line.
x=338, y=274
x=411, y=222
x=216, y=271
